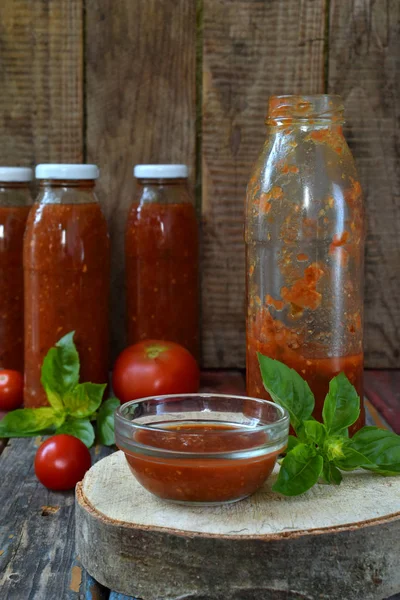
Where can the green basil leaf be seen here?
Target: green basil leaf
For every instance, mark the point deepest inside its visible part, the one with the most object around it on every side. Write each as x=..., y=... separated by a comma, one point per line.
x=315, y=432
x=84, y=399
x=80, y=428
x=60, y=370
x=331, y=473
x=381, y=447
x=342, y=405
x=292, y=442
x=334, y=447
x=351, y=459
x=288, y=389
x=25, y=422
x=300, y=470
x=105, y=422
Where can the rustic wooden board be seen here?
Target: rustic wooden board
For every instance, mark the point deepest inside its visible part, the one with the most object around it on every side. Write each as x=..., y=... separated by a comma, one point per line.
x=364, y=47
x=37, y=549
x=41, y=81
x=250, y=50
x=243, y=550
x=140, y=105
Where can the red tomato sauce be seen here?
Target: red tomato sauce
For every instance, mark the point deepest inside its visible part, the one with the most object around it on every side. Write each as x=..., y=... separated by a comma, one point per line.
x=162, y=274
x=12, y=227
x=316, y=371
x=201, y=479
x=66, y=264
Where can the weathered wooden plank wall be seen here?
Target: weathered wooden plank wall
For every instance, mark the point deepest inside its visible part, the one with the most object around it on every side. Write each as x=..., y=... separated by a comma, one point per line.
x=115, y=83
x=251, y=50
x=364, y=68
x=41, y=81
x=140, y=105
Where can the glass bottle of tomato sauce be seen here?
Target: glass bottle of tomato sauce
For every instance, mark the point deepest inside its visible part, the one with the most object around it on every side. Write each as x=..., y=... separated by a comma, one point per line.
x=305, y=248
x=67, y=274
x=161, y=252
x=15, y=203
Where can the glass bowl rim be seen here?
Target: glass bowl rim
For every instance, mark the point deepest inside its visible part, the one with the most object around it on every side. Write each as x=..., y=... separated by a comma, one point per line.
x=282, y=420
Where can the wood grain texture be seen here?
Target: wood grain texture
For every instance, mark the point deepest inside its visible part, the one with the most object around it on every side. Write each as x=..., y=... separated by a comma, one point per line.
x=140, y=73
x=251, y=49
x=41, y=81
x=364, y=67
x=37, y=549
x=382, y=389
x=340, y=542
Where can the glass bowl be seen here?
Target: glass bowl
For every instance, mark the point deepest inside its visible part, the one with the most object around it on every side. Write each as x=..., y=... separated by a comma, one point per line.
x=201, y=448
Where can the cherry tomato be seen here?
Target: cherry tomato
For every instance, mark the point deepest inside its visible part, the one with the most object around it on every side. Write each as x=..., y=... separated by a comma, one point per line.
x=11, y=389
x=154, y=367
x=61, y=462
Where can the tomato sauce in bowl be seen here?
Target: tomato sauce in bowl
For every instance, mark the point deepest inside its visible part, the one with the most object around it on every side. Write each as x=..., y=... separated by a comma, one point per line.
x=201, y=448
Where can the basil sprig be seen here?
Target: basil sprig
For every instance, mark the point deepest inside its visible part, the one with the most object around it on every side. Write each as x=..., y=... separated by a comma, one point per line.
x=322, y=450
x=73, y=406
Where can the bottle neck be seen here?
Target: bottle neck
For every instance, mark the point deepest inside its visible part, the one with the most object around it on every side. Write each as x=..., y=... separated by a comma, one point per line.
x=15, y=185
x=163, y=191
x=71, y=191
x=15, y=193
x=67, y=183
x=321, y=111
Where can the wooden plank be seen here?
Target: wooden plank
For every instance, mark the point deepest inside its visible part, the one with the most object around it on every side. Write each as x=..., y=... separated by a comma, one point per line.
x=382, y=389
x=364, y=67
x=140, y=98
x=37, y=545
x=223, y=382
x=251, y=50
x=41, y=81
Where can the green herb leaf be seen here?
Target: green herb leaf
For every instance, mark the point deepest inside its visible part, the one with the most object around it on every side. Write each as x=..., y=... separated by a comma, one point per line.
x=300, y=470
x=292, y=442
x=351, y=459
x=380, y=447
x=25, y=422
x=331, y=473
x=334, y=447
x=80, y=428
x=315, y=432
x=60, y=370
x=84, y=399
x=288, y=389
x=342, y=405
x=105, y=422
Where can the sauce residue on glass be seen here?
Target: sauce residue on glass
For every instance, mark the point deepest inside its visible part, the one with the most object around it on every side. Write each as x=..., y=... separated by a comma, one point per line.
x=305, y=249
x=271, y=338
x=12, y=224
x=201, y=479
x=162, y=274
x=66, y=263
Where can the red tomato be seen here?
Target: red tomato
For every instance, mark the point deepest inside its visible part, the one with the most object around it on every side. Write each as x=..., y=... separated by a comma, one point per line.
x=154, y=367
x=61, y=462
x=11, y=389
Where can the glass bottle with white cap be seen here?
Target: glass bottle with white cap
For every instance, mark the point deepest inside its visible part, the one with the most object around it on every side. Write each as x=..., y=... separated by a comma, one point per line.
x=15, y=203
x=161, y=247
x=67, y=274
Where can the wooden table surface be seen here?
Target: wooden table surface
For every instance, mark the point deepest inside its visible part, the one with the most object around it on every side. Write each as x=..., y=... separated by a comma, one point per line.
x=37, y=549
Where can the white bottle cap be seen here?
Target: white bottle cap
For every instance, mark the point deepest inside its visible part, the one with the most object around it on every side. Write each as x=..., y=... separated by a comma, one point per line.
x=160, y=171
x=66, y=172
x=16, y=174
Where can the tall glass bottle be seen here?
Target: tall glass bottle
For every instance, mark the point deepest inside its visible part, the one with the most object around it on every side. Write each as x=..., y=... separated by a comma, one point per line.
x=15, y=203
x=305, y=248
x=161, y=251
x=67, y=274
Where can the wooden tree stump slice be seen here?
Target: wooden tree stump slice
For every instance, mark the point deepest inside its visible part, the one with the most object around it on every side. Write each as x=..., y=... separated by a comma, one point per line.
x=333, y=543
